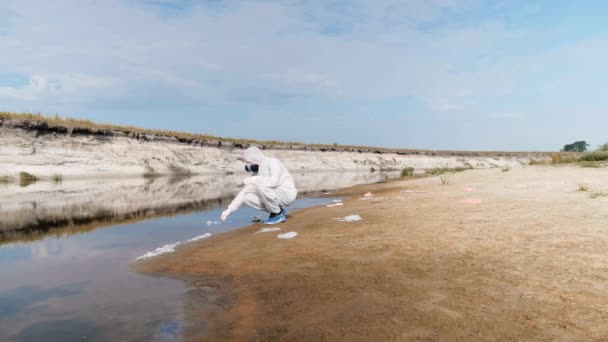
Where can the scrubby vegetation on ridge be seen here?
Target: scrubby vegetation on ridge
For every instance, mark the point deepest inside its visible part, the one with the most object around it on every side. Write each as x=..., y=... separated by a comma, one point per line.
x=68, y=122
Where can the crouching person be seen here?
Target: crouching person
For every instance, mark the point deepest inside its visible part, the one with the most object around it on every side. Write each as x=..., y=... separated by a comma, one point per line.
x=270, y=187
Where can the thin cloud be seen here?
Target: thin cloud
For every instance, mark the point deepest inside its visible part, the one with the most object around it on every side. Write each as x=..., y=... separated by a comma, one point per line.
x=214, y=63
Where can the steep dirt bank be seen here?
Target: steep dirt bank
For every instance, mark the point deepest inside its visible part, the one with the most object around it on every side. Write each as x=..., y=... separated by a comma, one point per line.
x=45, y=150
x=526, y=263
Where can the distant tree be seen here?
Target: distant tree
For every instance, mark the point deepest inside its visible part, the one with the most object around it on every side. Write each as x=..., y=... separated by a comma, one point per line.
x=578, y=146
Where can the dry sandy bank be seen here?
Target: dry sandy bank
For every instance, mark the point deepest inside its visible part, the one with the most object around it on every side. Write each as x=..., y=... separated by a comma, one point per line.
x=72, y=152
x=527, y=263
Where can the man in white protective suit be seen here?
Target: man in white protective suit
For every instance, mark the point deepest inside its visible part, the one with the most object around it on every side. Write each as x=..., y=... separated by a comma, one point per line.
x=270, y=188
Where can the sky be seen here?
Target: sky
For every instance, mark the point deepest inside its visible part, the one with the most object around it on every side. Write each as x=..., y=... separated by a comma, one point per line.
x=431, y=74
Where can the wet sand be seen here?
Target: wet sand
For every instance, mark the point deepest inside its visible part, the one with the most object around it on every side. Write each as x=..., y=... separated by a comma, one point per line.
x=518, y=255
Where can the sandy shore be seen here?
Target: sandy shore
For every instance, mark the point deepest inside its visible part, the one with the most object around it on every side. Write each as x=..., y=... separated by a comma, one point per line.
x=527, y=263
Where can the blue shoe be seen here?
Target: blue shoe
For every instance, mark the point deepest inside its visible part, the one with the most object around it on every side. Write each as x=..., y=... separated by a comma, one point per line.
x=278, y=218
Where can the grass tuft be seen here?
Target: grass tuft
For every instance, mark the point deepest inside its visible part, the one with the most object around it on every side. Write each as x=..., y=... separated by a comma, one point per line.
x=445, y=179
x=506, y=168
x=598, y=194
x=57, y=178
x=536, y=162
x=4, y=180
x=407, y=172
x=26, y=179
x=441, y=170
x=583, y=187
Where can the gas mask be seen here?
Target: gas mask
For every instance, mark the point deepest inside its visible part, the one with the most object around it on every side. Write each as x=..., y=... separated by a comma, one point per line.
x=252, y=167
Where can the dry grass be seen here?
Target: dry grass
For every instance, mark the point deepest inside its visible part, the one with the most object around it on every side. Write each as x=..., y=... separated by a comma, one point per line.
x=594, y=156
x=564, y=157
x=583, y=187
x=598, y=194
x=69, y=122
x=537, y=162
x=445, y=179
x=442, y=170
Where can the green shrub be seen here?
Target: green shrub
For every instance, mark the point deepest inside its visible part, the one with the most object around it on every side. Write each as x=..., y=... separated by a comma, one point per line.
x=407, y=172
x=594, y=156
x=26, y=179
x=577, y=146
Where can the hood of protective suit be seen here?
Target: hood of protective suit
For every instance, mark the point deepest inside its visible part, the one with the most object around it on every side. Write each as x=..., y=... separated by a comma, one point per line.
x=254, y=155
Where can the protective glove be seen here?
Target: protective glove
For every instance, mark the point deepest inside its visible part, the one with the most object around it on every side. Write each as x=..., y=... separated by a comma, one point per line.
x=225, y=214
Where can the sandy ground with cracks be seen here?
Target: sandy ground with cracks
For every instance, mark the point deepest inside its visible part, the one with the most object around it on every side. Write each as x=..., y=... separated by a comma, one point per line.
x=527, y=263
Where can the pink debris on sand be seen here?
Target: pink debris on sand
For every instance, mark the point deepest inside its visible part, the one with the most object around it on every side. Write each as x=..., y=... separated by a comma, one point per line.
x=369, y=194
x=468, y=189
x=471, y=201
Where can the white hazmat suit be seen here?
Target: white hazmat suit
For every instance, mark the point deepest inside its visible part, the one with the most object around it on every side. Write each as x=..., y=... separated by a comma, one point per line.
x=271, y=189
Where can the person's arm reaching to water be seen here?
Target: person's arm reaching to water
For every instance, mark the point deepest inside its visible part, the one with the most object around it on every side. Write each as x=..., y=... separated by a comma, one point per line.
x=237, y=201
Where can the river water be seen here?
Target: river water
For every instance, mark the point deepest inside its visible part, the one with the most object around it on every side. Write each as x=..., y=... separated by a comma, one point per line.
x=67, y=251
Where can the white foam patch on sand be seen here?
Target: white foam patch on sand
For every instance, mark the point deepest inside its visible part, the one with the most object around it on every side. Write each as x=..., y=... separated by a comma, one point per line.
x=168, y=248
x=337, y=201
x=379, y=199
x=268, y=230
x=211, y=223
x=335, y=204
x=200, y=237
x=289, y=235
x=350, y=218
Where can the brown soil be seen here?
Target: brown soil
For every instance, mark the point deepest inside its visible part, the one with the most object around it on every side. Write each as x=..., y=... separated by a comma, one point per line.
x=527, y=263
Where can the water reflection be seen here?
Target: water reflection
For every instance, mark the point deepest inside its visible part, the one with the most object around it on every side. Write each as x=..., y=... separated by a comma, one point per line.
x=79, y=206
x=61, y=330
x=22, y=297
x=64, y=279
